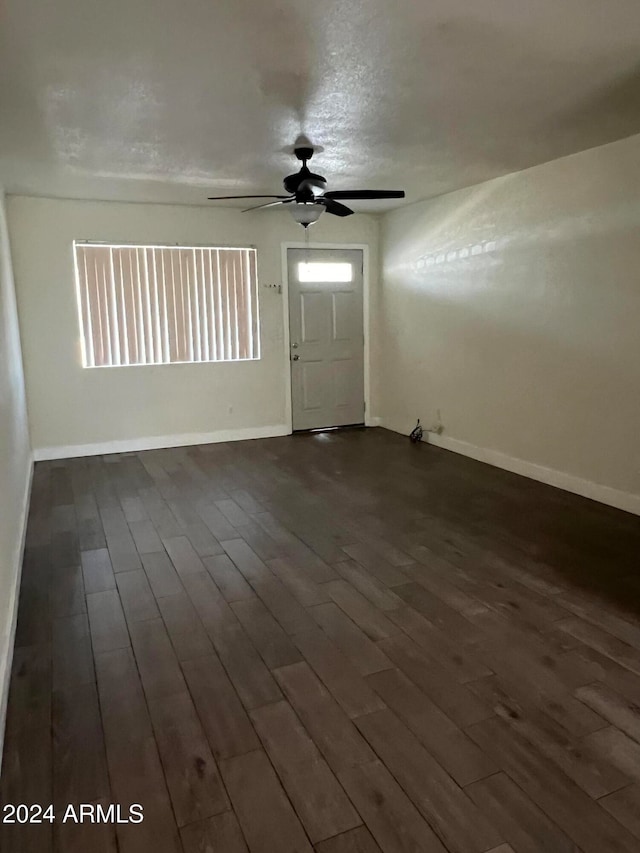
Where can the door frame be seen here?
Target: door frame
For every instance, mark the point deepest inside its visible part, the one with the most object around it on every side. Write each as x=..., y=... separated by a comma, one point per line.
x=366, y=321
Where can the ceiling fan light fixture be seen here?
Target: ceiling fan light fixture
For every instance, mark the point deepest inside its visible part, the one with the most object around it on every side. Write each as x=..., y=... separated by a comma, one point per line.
x=306, y=213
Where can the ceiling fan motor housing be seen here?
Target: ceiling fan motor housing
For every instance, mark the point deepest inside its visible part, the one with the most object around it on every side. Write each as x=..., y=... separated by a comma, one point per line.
x=305, y=184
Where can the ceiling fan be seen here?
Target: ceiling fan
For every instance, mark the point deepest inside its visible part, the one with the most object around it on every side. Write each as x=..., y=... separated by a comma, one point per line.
x=307, y=197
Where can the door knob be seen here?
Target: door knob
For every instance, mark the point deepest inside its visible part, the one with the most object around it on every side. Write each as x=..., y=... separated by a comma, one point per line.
x=294, y=346
x=295, y=357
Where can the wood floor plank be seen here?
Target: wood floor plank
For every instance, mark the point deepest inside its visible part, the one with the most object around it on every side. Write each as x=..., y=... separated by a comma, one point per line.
x=365, y=656
x=449, y=745
x=317, y=797
x=135, y=770
x=533, y=674
x=137, y=599
x=398, y=826
x=332, y=730
x=163, y=519
x=434, y=573
x=156, y=659
x=368, y=586
x=459, y=824
x=227, y=578
x=64, y=549
x=617, y=749
x=344, y=682
x=367, y=617
x=624, y=806
x=204, y=542
x=97, y=572
x=514, y=815
x=251, y=678
x=588, y=608
x=605, y=643
x=273, y=645
x=609, y=672
x=460, y=659
x=133, y=509
x=298, y=582
x=29, y=702
x=122, y=549
x=79, y=837
x=214, y=612
x=146, y=537
x=434, y=609
x=34, y=606
x=246, y=500
x=247, y=561
x=616, y=709
x=122, y=703
x=438, y=682
x=259, y=540
x=72, y=654
x=234, y=514
x=161, y=574
x=583, y=820
x=183, y=556
x=106, y=621
x=219, y=833
x=216, y=522
x=387, y=574
x=225, y=722
x=552, y=740
x=67, y=592
x=188, y=636
x=89, y=525
x=283, y=606
x=354, y=841
x=193, y=780
x=79, y=760
x=265, y=814
x=27, y=777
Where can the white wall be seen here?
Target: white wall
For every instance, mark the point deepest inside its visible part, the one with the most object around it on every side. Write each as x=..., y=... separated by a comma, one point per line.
x=513, y=307
x=71, y=407
x=15, y=461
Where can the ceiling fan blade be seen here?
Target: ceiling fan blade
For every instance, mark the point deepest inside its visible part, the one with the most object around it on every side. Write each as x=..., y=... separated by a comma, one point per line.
x=285, y=200
x=354, y=194
x=225, y=197
x=335, y=207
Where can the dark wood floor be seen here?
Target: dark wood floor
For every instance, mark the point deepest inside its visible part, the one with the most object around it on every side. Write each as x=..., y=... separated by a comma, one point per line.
x=337, y=642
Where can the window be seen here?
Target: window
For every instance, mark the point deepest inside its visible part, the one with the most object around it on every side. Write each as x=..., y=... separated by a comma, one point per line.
x=320, y=271
x=166, y=304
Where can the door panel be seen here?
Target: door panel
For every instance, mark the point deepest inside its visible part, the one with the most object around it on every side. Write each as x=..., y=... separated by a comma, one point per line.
x=345, y=315
x=312, y=376
x=327, y=337
x=311, y=317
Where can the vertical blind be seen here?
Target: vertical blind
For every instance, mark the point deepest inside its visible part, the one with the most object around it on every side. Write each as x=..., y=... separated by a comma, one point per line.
x=166, y=304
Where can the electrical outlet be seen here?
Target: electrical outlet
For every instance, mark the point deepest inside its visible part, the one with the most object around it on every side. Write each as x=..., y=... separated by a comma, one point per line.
x=437, y=428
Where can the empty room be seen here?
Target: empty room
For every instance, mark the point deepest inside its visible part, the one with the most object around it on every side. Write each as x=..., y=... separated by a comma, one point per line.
x=320, y=426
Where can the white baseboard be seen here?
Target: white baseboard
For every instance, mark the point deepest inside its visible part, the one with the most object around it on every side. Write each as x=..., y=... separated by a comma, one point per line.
x=373, y=422
x=14, y=596
x=568, y=482
x=157, y=442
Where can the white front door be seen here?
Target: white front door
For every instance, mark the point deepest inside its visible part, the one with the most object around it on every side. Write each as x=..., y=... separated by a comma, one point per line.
x=326, y=330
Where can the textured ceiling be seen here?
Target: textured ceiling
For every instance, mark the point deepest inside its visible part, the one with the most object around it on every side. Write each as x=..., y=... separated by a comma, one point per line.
x=160, y=100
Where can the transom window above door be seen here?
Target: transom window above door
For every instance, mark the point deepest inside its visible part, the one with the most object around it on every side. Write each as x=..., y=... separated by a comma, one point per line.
x=144, y=305
x=319, y=271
